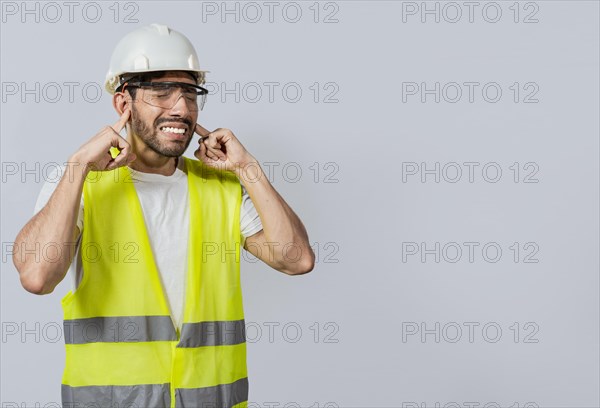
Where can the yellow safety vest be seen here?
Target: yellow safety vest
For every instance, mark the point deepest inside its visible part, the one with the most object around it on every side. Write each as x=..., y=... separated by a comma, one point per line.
x=122, y=348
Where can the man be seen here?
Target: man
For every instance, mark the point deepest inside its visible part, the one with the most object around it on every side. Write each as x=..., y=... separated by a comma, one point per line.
x=155, y=317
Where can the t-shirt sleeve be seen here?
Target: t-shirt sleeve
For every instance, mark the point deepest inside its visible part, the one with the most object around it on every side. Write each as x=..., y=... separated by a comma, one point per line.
x=250, y=222
x=50, y=184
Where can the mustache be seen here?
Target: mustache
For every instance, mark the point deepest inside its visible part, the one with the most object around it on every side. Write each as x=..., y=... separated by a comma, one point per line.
x=180, y=120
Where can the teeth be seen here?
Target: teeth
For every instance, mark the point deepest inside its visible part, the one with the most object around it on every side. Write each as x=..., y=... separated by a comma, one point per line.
x=173, y=130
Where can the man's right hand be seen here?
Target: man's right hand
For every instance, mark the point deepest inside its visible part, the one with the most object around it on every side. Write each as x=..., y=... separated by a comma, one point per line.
x=95, y=153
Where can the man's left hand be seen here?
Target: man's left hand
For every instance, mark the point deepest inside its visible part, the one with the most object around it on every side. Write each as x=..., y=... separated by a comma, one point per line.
x=220, y=149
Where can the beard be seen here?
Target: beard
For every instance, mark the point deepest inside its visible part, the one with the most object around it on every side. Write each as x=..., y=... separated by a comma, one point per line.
x=149, y=135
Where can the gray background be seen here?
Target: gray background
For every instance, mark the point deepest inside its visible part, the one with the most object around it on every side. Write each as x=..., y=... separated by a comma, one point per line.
x=361, y=296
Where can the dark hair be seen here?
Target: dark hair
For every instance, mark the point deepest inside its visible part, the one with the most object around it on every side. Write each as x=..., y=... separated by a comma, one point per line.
x=145, y=77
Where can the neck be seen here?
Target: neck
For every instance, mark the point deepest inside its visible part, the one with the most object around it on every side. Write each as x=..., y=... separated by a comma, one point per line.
x=163, y=165
x=154, y=163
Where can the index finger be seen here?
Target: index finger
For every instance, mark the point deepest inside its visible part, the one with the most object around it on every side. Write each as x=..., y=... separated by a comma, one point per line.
x=120, y=124
x=201, y=131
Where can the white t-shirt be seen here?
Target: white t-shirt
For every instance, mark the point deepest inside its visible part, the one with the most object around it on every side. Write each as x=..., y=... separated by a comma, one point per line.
x=164, y=201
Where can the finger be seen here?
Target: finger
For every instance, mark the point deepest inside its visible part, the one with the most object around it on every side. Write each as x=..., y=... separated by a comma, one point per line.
x=203, y=139
x=201, y=131
x=205, y=142
x=203, y=154
x=120, y=124
x=204, y=151
x=121, y=160
x=215, y=148
x=212, y=153
x=125, y=155
x=217, y=154
x=209, y=153
x=117, y=162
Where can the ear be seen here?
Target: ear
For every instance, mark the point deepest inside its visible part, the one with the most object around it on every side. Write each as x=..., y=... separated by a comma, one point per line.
x=121, y=101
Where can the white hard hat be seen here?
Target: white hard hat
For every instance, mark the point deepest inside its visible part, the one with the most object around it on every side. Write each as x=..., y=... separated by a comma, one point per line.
x=155, y=47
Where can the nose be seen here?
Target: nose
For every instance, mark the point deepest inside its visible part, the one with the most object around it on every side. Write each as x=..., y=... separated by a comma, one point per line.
x=180, y=108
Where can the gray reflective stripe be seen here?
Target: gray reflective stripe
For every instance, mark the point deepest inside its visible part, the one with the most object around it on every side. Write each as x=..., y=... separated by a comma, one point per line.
x=113, y=329
x=218, y=333
x=218, y=396
x=116, y=396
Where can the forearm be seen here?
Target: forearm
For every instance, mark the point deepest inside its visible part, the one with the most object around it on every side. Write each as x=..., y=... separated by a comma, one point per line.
x=285, y=235
x=44, y=248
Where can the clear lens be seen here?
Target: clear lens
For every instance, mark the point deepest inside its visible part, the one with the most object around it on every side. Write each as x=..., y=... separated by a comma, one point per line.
x=166, y=96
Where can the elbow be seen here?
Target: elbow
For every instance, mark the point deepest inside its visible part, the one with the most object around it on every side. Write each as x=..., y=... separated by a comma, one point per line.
x=304, y=269
x=33, y=281
x=303, y=265
x=36, y=285
x=35, y=276
x=32, y=285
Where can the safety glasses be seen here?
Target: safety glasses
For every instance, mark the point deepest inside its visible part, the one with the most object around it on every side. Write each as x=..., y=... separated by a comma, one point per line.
x=166, y=94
